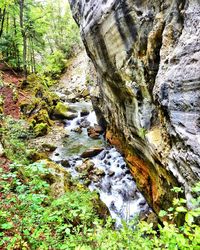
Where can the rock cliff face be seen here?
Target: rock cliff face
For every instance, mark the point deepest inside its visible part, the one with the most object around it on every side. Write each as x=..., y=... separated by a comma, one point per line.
x=147, y=58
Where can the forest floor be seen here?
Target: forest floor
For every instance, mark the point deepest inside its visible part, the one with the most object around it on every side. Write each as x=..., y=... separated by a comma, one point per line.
x=9, y=90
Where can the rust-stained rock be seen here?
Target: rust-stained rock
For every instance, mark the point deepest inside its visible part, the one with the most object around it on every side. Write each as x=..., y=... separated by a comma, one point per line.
x=147, y=59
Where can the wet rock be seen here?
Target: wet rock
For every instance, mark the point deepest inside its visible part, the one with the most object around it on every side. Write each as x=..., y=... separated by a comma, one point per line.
x=86, y=167
x=91, y=152
x=84, y=112
x=70, y=115
x=111, y=173
x=100, y=207
x=77, y=130
x=94, y=136
x=87, y=182
x=98, y=172
x=95, y=131
x=142, y=203
x=65, y=163
x=98, y=129
x=95, y=178
x=84, y=123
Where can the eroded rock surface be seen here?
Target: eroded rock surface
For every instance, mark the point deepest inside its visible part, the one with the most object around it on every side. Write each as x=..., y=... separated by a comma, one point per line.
x=147, y=58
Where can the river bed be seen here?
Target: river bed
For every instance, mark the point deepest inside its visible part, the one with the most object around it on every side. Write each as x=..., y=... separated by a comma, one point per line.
x=113, y=180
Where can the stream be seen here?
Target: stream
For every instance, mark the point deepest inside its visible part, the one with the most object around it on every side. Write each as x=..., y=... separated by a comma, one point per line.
x=106, y=172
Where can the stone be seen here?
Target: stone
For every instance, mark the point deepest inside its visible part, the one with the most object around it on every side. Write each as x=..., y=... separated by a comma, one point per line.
x=40, y=129
x=62, y=111
x=58, y=178
x=91, y=152
x=65, y=163
x=49, y=147
x=86, y=167
x=77, y=130
x=70, y=115
x=94, y=136
x=98, y=129
x=98, y=172
x=84, y=112
x=146, y=87
x=72, y=98
x=111, y=173
x=95, y=131
x=84, y=123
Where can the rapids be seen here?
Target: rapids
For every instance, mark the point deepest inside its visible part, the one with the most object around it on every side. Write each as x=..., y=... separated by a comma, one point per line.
x=115, y=186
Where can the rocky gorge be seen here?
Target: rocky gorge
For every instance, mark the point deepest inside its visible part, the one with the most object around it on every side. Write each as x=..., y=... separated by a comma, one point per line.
x=144, y=84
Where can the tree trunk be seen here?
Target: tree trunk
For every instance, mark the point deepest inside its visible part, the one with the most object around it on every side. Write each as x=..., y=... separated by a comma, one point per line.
x=23, y=32
x=16, y=44
x=2, y=21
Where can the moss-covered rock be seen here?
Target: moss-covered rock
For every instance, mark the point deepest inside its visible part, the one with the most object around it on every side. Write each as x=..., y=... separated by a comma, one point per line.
x=58, y=178
x=34, y=155
x=62, y=111
x=40, y=122
x=40, y=129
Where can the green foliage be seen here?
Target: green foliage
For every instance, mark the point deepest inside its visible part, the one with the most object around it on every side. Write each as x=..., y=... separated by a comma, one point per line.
x=46, y=35
x=142, y=132
x=54, y=64
x=14, y=134
x=30, y=218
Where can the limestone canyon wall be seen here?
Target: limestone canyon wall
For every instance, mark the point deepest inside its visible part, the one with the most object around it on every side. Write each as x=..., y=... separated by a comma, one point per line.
x=147, y=57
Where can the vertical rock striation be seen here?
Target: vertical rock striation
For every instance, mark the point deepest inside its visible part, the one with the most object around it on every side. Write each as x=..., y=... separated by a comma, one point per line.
x=147, y=58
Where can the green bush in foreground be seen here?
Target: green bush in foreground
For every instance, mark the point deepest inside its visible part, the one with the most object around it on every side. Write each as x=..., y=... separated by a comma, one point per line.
x=30, y=218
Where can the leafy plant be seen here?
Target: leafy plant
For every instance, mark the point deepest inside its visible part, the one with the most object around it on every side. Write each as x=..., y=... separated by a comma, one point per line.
x=14, y=134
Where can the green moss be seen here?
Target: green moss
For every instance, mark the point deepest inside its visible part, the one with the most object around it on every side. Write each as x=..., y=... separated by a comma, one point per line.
x=61, y=109
x=40, y=129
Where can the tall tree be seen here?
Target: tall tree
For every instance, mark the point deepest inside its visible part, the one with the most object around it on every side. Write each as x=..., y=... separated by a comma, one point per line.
x=23, y=32
x=2, y=19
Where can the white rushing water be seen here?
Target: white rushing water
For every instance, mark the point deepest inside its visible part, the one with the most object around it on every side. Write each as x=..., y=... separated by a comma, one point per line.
x=115, y=186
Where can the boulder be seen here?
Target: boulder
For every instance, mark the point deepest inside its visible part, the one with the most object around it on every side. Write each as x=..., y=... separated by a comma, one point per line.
x=49, y=147
x=95, y=131
x=84, y=112
x=86, y=167
x=77, y=130
x=84, y=123
x=65, y=163
x=98, y=172
x=58, y=178
x=40, y=129
x=63, y=111
x=91, y=152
